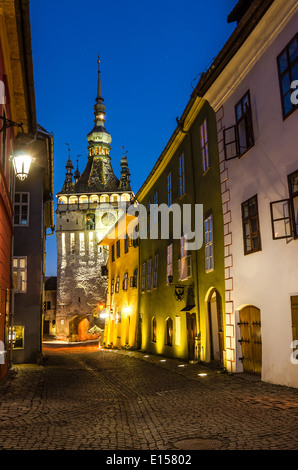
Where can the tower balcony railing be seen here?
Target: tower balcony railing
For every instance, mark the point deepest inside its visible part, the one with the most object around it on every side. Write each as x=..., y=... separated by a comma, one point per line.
x=64, y=207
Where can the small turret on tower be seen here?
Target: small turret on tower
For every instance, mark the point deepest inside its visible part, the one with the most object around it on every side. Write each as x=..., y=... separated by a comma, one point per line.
x=125, y=174
x=68, y=182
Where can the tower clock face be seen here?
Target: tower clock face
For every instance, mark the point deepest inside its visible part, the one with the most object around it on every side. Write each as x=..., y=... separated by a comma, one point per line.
x=108, y=219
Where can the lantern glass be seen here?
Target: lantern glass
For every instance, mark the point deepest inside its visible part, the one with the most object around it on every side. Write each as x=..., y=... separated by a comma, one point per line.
x=21, y=164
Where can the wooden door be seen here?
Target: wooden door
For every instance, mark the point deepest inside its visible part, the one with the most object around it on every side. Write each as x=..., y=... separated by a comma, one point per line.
x=251, y=342
x=191, y=325
x=216, y=327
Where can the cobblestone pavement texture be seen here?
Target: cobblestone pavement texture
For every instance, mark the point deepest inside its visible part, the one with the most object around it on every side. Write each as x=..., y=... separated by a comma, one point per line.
x=92, y=399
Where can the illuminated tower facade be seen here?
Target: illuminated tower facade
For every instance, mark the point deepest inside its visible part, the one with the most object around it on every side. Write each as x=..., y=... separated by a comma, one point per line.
x=87, y=208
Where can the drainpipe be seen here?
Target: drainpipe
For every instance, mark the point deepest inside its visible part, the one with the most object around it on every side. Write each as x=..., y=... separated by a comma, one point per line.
x=180, y=123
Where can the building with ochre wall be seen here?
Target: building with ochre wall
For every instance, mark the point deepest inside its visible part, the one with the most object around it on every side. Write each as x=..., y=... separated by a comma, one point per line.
x=121, y=308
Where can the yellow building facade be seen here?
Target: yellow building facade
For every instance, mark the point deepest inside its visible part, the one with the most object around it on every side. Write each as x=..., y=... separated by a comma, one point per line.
x=121, y=309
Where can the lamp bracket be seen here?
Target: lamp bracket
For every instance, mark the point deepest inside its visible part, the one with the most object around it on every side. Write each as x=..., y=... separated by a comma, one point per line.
x=8, y=123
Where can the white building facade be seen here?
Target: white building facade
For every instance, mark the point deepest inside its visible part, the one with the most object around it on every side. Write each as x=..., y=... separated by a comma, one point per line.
x=250, y=90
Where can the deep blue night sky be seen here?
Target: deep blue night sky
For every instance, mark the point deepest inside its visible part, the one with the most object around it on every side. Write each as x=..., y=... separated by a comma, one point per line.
x=151, y=55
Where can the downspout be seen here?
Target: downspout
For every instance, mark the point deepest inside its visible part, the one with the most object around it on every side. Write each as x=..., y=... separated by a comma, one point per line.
x=180, y=123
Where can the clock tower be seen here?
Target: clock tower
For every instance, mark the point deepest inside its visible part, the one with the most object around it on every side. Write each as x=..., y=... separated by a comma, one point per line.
x=88, y=205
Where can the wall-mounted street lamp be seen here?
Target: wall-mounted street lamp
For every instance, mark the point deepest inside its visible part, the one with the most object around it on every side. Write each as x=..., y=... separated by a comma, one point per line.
x=179, y=289
x=21, y=159
x=21, y=164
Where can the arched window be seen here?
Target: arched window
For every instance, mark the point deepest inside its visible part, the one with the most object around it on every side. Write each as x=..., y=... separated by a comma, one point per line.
x=90, y=222
x=169, y=332
x=153, y=330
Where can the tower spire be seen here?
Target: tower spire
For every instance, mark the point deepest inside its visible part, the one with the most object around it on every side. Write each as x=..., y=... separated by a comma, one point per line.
x=99, y=92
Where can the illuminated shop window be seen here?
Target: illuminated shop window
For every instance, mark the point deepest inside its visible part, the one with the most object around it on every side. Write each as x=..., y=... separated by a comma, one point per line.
x=17, y=333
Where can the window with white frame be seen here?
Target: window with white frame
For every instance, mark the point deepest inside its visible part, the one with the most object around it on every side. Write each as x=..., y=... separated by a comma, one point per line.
x=209, y=261
x=284, y=212
x=204, y=146
x=20, y=274
x=287, y=62
x=169, y=262
x=21, y=209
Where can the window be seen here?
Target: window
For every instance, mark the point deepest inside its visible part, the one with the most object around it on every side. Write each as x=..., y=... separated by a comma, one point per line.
x=177, y=331
x=169, y=262
x=113, y=252
x=117, y=284
x=240, y=138
x=155, y=270
x=125, y=281
x=204, y=146
x=104, y=270
x=149, y=274
x=169, y=332
x=91, y=241
x=153, y=330
x=82, y=242
x=112, y=286
x=244, y=124
x=294, y=311
x=181, y=176
x=118, y=248
x=20, y=274
x=134, y=279
x=184, y=262
x=143, y=277
x=126, y=244
x=48, y=305
x=169, y=189
x=284, y=212
x=21, y=209
x=250, y=224
x=208, y=244
x=72, y=243
x=90, y=221
x=17, y=337
x=287, y=63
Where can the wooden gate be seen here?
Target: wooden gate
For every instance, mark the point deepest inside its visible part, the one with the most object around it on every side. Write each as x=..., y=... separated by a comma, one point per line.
x=251, y=342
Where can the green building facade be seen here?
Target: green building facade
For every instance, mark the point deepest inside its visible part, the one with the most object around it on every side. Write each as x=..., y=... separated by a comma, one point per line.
x=181, y=290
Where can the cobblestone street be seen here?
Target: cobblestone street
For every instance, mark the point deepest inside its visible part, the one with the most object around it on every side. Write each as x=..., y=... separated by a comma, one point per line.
x=94, y=399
